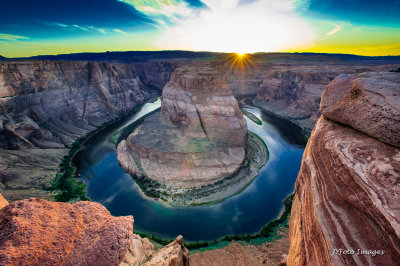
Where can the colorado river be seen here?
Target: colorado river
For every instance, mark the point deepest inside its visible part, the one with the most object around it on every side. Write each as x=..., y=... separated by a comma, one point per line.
x=244, y=213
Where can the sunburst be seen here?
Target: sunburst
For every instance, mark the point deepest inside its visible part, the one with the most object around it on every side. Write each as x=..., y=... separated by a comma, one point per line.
x=242, y=62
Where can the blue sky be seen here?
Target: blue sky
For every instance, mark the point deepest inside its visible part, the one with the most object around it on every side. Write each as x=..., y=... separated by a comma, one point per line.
x=350, y=26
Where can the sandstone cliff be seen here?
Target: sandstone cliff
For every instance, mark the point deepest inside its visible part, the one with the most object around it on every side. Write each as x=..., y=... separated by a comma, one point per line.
x=155, y=74
x=347, y=210
x=45, y=106
x=39, y=232
x=49, y=104
x=294, y=90
x=199, y=138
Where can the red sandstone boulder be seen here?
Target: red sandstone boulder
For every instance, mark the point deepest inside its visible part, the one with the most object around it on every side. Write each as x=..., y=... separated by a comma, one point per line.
x=348, y=198
x=369, y=102
x=39, y=232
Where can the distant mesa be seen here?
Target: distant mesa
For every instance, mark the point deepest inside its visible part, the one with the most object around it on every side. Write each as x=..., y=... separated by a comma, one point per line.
x=198, y=138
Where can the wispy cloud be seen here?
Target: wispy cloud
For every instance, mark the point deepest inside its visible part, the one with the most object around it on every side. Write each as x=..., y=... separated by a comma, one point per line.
x=161, y=10
x=120, y=31
x=97, y=29
x=335, y=30
x=76, y=27
x=10, y=37
x=80, y=27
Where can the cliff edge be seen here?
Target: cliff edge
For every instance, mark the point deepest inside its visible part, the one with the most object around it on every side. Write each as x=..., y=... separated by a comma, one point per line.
x=40, y=232
x=347, y=209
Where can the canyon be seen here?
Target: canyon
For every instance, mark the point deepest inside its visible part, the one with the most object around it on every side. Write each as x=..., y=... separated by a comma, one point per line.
x=347, y=190
x=346, y=208
x=197, y=139
x=45, y=106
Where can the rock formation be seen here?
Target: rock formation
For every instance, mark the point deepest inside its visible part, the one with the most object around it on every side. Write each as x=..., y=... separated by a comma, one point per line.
x=172, y=254
x=347, y=209
x=198, y=138
x=45, y=106
x=39, y=232
x=294, y=90
x=369, y=102
x=155, y=74
x=48, y=104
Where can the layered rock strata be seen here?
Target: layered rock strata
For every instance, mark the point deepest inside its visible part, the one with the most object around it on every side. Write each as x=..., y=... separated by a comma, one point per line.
x=39, y=232
x=48, y=104
x=347, y=210
x=45, y=106
x=293, y=90
x=198, y=138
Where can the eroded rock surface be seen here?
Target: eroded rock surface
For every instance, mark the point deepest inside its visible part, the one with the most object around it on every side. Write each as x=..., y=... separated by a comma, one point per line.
x=139, y=251
x=39, y=232
x=49, y=104
x=173, y=254
x=198, y=138
x=348, y=188
x=368, y=102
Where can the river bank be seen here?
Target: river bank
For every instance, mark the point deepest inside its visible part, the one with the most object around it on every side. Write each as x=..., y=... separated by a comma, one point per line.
x=269, y=233
x=66, y=185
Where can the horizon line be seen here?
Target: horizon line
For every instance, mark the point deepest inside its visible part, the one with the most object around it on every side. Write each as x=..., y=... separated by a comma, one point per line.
x=152, y=51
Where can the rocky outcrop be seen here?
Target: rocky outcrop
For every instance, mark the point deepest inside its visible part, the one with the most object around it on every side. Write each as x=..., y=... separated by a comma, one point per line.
x=39, y=232
x=369, y=102
x=347, y=210
x=173, y=254
x=142, y=252
x=139, y=251
x=294, y=94
x=198, y=138
x=294, y=90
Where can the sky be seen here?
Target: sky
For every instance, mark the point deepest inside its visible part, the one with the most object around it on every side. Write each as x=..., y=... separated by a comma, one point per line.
x=38, y=27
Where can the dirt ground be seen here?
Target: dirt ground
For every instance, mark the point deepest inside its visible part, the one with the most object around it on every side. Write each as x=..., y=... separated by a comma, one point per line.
x=237, y=254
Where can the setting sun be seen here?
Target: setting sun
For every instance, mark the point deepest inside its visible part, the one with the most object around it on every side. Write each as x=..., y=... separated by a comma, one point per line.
x=241, y=54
